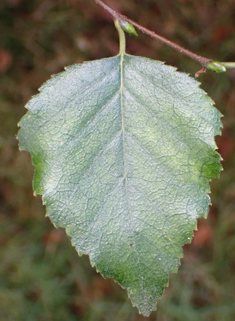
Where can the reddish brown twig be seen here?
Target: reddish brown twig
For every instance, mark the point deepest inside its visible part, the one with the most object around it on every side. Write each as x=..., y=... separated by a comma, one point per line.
x=117, y=16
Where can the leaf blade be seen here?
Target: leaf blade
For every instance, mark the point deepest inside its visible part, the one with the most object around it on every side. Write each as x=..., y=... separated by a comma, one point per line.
x=117, y=165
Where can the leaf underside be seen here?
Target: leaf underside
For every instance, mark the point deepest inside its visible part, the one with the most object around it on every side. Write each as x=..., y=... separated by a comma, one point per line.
x=124, y=151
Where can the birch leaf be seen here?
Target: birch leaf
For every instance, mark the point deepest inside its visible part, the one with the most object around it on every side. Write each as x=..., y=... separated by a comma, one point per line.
x=124, y=150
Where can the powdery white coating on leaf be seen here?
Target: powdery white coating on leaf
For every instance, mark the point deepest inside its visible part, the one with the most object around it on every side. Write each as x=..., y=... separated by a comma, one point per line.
x=124, y=151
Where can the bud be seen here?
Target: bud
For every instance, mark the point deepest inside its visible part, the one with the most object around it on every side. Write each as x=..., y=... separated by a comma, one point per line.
x=128, y=27
x=216, y=66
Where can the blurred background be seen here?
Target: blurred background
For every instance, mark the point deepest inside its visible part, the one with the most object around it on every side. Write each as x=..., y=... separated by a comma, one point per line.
x=41, y=276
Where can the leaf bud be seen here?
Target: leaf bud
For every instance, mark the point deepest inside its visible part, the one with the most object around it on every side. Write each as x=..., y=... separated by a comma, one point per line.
x=216, y=66
x=128, y=27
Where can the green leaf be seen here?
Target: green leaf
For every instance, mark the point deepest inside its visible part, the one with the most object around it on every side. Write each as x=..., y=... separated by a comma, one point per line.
x=123, y=150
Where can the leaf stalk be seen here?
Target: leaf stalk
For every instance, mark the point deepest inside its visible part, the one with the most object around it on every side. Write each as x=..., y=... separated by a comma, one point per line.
x=122, y=39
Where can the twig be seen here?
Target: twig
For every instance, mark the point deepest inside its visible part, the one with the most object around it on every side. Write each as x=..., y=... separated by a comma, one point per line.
x=117, y=16
x=113, y=13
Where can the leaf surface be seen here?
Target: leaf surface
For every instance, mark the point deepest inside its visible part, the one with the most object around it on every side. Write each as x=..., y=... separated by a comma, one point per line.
x=124, y=151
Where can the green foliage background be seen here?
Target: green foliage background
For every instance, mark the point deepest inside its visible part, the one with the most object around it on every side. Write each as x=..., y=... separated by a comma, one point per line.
x=41, y=276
